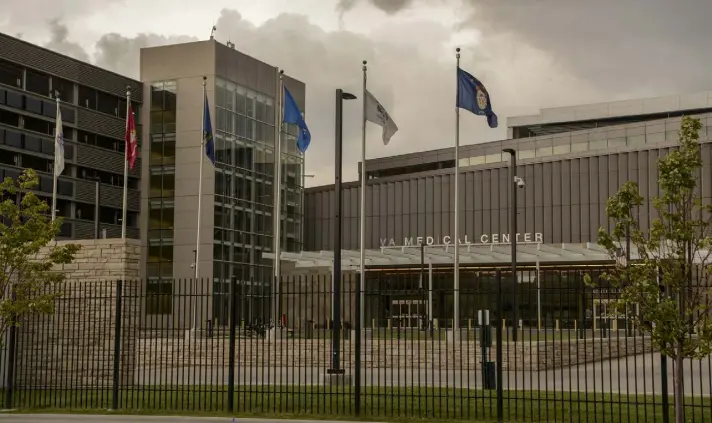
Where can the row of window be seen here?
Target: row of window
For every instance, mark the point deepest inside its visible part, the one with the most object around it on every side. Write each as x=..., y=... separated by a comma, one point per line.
x=34, y=105
x=47, y=127
x=578, y=147
x=243, y=101
x=81, y=211
x=49, y=86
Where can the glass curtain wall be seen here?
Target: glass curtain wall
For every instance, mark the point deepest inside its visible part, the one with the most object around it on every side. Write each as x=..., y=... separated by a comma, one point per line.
x=162, y=134
x=244, y=198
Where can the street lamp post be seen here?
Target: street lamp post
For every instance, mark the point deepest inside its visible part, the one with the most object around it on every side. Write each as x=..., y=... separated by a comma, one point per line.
x=514, y=182
x=336, y=291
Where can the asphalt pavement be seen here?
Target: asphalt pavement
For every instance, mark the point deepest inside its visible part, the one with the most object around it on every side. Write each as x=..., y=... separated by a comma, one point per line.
x=635, y=374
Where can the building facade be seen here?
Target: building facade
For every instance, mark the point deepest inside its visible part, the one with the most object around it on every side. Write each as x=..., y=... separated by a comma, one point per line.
x=238, y=190
x=572, y=160
x=93, y=106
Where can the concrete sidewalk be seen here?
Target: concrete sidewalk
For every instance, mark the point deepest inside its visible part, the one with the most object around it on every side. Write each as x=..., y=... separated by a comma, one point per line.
x=90, y=418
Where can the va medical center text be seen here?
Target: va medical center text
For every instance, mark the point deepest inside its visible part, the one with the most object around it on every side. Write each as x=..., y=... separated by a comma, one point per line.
x=536, y=237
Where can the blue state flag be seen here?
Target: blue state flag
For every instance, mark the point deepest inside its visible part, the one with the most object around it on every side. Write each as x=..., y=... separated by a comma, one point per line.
x=294, y=116
x=208, y=132
x=473, y=96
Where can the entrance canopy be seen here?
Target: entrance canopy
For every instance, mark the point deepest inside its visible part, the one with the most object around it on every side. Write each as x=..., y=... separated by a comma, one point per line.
x=470, y=254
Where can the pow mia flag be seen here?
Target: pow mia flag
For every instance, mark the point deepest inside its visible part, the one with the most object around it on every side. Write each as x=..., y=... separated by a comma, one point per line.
x=377, y=114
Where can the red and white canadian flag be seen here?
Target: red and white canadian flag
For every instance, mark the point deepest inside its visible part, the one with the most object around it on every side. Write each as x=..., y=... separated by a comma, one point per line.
x=131, y=143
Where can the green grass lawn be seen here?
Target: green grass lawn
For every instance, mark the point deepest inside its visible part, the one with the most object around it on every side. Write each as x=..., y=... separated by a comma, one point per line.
x=377, y=404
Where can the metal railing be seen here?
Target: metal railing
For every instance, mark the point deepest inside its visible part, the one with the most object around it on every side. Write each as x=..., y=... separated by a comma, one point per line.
x=131, y=346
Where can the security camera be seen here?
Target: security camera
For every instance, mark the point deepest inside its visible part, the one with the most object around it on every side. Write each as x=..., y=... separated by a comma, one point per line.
x=519, y=181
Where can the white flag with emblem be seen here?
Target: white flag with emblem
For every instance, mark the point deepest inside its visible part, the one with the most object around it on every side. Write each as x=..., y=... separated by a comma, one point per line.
x=377, y=114
x=58, y=144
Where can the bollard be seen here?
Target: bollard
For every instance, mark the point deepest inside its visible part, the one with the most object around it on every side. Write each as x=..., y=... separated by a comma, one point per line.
x=557, y=325
x=388, y=324
x=373, y=324
x=435, y=324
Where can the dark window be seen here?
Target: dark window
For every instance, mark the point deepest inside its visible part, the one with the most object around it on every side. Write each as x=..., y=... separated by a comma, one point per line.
x=39, y=125
x=157, y=97
x=33, y=143
x=110, y=216
x=65, y=230
x=47, y=146
x=33, y=105
x=37, y=163
x=2, y=96
x=10, y=74
x=159, y=297
x=49, y=109
x=13, y=139
x=46, y=184
x=65, y=89
x=107, y=103
x=65, y=188
x=84, y=211
x=68, y=114
x=68, y=151
x=9, y=158
x=9, y=118
x=15, y=99
x=37, y=83
x=87, y=97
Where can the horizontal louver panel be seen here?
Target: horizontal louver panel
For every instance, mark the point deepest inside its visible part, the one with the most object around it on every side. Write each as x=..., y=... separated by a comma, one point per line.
x=110, y=196
x=84, y=229
x=45, y=60
x=102, y=159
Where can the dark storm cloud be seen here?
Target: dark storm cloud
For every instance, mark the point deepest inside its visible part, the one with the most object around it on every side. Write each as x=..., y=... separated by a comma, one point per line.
x=656, y=45
x=410, y=71
x=60, y=42
x=388, y=6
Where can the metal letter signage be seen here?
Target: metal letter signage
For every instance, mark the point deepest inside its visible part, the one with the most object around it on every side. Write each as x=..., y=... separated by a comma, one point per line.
x=484, y=239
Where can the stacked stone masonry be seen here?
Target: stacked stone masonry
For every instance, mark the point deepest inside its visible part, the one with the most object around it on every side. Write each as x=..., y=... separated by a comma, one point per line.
x=436, y=355
x=74, y=347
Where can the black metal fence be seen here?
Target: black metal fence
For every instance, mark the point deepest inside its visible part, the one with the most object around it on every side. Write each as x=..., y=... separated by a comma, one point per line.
x=244, y=348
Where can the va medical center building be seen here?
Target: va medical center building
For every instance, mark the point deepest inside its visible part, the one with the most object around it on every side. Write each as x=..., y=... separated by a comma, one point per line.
x=572, y=160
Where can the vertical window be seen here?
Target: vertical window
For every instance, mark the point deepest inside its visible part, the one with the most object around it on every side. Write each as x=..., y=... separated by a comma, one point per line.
x=10, y=74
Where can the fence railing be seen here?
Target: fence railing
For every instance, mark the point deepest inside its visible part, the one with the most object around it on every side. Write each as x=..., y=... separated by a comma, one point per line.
x=235, y=347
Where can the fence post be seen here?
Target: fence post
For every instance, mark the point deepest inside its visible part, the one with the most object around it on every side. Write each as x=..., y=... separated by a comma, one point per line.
x=10, y=375
x=357, y=347
x=666, y=399
x=231, y=351
x=117, y=345
x=498, y=352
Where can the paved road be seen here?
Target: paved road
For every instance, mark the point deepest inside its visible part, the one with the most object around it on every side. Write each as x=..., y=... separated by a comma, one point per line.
x=68, y=418
x=639, y=373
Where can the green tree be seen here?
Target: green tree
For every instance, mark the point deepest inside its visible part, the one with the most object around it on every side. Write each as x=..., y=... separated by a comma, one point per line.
x=28, y=278
x=669, y=279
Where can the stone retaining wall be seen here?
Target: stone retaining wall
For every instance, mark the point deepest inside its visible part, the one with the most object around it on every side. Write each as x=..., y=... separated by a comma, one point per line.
x=74, y=347
x=436, y=355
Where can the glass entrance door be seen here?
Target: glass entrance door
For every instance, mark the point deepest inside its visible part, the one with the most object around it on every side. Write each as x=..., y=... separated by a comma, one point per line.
x=408, y=313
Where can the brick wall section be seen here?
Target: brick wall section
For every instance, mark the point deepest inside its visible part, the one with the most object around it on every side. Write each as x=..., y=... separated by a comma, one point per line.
x=74, y=346
x=436, y=355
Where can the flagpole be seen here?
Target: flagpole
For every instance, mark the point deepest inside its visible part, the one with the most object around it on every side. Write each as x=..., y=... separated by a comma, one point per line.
x=363, y=196
x=126, y=164
x=200, y=211
x=54, y=168
x=456, y=282
x=277, y=211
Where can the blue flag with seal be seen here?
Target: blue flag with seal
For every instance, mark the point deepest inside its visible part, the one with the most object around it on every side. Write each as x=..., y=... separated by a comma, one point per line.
x=473, y=96
x=208, y=133
x=294, y=116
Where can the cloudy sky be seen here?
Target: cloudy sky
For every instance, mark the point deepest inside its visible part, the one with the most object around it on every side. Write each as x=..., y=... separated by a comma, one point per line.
x=529, y=53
